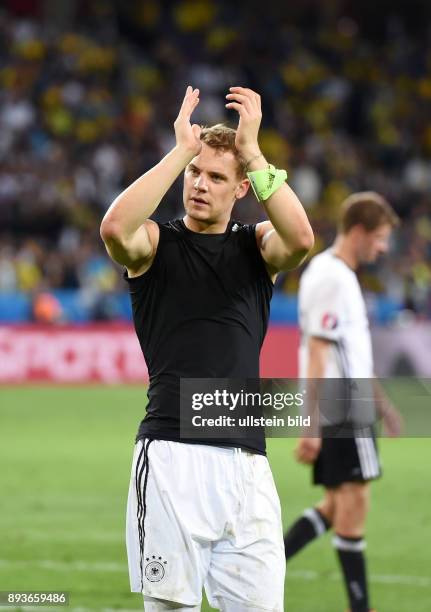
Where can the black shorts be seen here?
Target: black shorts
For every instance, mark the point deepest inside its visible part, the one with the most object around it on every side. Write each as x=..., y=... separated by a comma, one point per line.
x=352, y=458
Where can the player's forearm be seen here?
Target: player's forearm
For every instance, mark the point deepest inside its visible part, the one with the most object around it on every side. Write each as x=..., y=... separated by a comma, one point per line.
x=289, y=219
x=392, y=419
x=137, y=203
x=382, y=402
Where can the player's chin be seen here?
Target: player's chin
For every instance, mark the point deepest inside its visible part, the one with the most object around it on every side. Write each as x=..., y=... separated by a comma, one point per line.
x=370, y=258
x=199, y=211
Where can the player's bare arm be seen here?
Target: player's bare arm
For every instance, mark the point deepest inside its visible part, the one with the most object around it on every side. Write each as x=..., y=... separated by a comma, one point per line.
x=131, y=238
x=308, y=447
x=392, y=420
x=287, y=237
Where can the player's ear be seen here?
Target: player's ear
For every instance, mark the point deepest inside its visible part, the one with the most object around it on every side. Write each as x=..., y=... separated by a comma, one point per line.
x=242, y=189
x=357, y=232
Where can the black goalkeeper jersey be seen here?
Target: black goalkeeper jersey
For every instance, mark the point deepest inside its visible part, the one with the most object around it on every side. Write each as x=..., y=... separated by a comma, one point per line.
x=200, y=311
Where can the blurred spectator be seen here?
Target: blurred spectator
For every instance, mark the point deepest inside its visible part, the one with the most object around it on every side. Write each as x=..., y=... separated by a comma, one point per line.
x=87, y=107
x=46, y=309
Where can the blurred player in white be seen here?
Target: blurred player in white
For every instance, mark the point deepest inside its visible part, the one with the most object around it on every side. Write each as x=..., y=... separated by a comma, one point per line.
x=336, y=344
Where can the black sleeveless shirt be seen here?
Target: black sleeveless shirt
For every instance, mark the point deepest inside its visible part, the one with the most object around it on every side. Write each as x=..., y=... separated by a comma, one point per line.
x=200, y=311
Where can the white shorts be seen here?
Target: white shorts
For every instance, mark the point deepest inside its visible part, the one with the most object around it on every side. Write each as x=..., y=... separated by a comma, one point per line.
x=204, y=516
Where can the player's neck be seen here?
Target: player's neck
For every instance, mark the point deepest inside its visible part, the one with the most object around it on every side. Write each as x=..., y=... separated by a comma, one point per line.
x=204, y=227
x=344, y=250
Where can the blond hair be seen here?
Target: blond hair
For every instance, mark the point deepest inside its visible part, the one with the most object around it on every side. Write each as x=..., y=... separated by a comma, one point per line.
x=222, y=137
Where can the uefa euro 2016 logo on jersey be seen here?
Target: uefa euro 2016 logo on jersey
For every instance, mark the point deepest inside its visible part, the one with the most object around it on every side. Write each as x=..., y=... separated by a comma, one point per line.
x=329, y=321
x=155, y=570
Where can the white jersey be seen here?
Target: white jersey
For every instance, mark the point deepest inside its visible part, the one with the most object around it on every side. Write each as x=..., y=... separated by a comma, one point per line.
x=331, y=306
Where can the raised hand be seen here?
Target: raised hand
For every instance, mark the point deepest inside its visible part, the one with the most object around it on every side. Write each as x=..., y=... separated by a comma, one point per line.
x=247, y=103
x=188, y=135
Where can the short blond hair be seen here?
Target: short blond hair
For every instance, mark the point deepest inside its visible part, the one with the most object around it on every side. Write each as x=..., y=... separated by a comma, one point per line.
x=366, y=208
x=222, y=137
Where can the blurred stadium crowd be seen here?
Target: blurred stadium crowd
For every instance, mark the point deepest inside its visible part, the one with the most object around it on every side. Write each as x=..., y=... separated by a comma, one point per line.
x=87, y=105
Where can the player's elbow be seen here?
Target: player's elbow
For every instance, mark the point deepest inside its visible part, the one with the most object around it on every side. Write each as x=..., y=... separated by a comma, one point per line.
x=110, y=231
x=303, y=244
x=297, y=252
x=305, y=241
x=115, y=243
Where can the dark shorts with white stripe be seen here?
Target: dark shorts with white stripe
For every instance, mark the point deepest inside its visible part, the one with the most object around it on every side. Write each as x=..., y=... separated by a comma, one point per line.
x=347, y=455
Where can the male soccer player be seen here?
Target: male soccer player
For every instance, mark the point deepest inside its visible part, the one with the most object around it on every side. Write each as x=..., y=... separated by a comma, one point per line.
x=204, y=513
x=336, y=343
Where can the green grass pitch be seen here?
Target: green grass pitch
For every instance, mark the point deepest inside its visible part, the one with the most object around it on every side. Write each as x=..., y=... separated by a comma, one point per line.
x=64, y=469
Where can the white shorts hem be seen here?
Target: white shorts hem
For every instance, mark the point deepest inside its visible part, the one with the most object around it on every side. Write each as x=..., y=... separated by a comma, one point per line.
x=163, y=597
x=215, y=602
